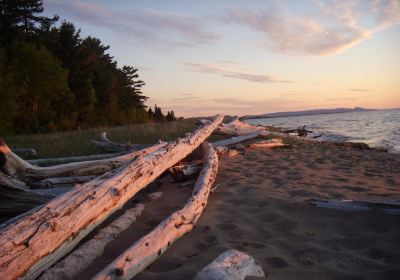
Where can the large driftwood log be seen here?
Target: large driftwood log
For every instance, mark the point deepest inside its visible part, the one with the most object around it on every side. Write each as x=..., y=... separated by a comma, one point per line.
x=391, y=207
x=16, y=197
x=231, y=265
x=55, y=161
x=26, y=153
x=114, y=147
x=15, y=166
x=37, y=241
x=237, y=127
x=60, y=182
x=151, y=246
x=76, y=262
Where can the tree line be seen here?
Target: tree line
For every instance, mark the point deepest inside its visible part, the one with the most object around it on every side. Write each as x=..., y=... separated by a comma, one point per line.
x=51, y=78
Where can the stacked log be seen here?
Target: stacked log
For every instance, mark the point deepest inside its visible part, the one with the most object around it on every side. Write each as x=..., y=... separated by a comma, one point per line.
x=38, y=240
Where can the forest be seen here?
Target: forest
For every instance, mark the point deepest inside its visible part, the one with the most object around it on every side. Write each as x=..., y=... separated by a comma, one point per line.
x=52, y=78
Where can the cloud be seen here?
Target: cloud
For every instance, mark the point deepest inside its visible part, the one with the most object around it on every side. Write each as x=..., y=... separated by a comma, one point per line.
x=341, y=99
x=359, y=89
x=215, y=69
x=147, y=26
x=333, y=28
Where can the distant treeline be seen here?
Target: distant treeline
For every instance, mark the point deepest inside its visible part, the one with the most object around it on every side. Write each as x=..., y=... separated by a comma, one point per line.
x=53, y=79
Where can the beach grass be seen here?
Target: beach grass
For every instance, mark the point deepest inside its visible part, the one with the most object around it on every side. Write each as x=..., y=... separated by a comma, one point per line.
x=77, y=142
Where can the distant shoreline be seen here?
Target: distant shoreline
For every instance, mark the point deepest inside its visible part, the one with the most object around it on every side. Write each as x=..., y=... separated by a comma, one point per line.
x=303, y=113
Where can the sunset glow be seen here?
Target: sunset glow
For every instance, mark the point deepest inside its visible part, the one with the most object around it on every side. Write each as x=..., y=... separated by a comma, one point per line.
x=251, y=57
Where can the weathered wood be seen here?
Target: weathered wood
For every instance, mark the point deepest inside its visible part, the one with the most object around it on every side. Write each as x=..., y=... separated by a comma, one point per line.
x=184, y=171
x=25, y=153
x=15, y=166
x=269, y=144
x=16, y=197
x=55, y=161
x=60, y=182
x=76, y=262
x=37, y=241
x=392, y=207
x=114, y=147
x=151, y=246
x=231, y=265
x=236, y=139
x=237, y=127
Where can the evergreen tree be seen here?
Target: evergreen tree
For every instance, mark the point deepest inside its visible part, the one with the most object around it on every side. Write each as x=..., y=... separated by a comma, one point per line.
x=170, y=116
x=158, y=115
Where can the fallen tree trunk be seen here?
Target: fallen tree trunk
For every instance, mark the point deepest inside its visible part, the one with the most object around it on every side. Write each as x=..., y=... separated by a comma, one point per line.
x=17, y=167
x=269, y=144
x=55, y=161
x=17, y=198
x=60, y=182
x=231, y=265
x=37, y=241
x=76, y=262
x=237, y=127
x=151, y=246
x=114, y=147
x=26, y=153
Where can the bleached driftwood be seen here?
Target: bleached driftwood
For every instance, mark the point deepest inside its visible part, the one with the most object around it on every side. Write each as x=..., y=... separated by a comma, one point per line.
x=151, y=246
x=76, y=262
x=231, y=265
x=60, y=182
x=392, y=207
x=40, y=239
x=235, y=139
x=55, y=161
x=269, y=144
x=237, y=127
x=184, y=171
x=16, y=197
x=26, y=152
x=114, y=147
x=15, y=166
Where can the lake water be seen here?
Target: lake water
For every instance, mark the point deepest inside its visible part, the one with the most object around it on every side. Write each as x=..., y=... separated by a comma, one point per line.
x=377, y=128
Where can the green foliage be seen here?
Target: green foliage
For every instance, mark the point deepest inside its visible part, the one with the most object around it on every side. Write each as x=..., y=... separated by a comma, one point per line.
x=53, y=79
x=44, y=99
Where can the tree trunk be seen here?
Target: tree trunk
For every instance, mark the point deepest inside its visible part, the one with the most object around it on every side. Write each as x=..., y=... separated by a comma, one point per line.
x=114, y=147
x=55, y=161
x=14, y=166
x=76, y=262
x=151, y=246
x=39, y=240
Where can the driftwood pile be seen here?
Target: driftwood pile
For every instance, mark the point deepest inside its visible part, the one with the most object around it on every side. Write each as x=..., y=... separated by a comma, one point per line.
x=51, y=225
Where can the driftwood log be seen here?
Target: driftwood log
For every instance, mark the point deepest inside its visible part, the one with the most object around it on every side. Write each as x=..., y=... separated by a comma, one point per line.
x=269, y=144
x=60, y=182
x=114, y=147
x=37, y=241
x=151, y=246
x=17, y=198
x=184, y=171
x=237, y=127
x=26, y=153
x=76, y=262
x=15, y=166
x=391, y=207
x=63, y=160
x=231, y=265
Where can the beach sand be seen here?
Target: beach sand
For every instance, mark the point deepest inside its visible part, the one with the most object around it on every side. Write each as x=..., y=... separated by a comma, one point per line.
x=260, y=206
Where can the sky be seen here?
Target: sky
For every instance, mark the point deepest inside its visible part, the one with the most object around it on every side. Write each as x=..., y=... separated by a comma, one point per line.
x=241, y=57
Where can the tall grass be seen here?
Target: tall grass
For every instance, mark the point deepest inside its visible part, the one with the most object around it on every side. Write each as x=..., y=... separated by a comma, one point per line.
x=77, y=142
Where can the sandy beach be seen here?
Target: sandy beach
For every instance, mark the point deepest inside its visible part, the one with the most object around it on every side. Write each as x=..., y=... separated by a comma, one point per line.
x=261, y=207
